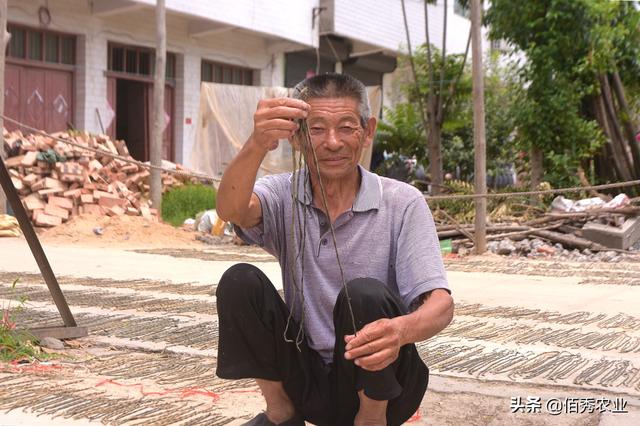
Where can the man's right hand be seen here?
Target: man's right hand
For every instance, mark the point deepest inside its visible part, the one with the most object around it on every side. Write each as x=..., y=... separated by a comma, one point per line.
x=275, y=119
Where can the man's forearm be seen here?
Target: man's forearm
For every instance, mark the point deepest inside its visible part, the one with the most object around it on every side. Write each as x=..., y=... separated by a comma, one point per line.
x=430, y=318
x=236, y=187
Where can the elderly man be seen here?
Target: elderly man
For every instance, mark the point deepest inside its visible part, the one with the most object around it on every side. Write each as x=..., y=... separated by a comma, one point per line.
x=396, y=291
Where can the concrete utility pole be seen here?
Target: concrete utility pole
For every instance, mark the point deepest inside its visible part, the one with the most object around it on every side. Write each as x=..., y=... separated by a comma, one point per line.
x=479, y=143
x=158, y=120
x=4, y=39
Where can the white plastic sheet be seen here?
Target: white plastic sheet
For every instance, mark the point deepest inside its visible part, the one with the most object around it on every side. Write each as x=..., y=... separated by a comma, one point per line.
x=207, y=220
x=225, y=122
x=565, y=205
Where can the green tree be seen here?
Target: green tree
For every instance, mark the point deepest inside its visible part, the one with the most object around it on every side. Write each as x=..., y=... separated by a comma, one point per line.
x=401, y=130
x=572, y=98
x=433, y=98
x=501, y=101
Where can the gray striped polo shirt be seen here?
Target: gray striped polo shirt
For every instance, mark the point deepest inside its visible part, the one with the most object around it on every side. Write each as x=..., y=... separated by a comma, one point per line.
x=388, y=234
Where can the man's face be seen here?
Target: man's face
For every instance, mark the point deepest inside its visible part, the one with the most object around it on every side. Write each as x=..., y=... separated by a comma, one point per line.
x=337, y=136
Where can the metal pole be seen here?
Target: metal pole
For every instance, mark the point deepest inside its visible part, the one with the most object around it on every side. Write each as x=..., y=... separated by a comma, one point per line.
x=157, y=129
x=480, y=165
x=36, y=248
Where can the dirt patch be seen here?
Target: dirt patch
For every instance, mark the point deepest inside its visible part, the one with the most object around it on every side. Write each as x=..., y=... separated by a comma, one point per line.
x=119, y=231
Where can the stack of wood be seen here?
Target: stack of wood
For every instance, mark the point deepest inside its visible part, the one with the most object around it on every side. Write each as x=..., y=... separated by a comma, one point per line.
x=57, y=181
x=596, y=230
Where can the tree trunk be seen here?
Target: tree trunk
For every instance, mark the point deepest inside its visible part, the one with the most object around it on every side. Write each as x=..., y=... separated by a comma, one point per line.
x=434, y=111
x=434, y=147
x=428, y=43
x=601, y=116
x=434, y=144
x=603, y=165
x=157, y=128
x=627, y=120
x=480, y=168
x=536, y=164
x=614, y=127
x=4, y=39
x=423, y=114
x=444, y=62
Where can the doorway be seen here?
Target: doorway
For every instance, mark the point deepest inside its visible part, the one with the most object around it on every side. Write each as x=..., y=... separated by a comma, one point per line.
x=132, y=116
x=131, y=103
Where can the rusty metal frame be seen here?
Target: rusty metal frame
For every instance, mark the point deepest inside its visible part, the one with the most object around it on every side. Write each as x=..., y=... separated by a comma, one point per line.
x=70, y=329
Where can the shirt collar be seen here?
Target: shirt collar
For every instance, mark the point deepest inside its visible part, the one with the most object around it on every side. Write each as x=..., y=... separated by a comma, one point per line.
x=368, y=197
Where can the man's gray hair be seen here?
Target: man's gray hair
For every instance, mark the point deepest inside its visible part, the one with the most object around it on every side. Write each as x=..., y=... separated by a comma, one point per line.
x=333, y=85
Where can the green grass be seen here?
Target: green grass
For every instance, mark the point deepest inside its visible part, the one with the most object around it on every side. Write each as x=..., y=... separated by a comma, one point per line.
x=16, y=344
x=184, y=202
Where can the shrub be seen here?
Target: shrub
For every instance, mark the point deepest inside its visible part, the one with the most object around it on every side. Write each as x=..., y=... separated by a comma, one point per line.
x=16, y=344
x=184, y=202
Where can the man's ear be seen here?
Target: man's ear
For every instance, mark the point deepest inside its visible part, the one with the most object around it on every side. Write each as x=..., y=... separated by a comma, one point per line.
x=370, y=131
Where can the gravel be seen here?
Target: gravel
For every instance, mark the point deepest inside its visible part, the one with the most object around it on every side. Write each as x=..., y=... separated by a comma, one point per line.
x=537, y=248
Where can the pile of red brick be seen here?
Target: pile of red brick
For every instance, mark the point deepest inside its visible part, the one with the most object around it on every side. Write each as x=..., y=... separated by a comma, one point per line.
x=67, y=181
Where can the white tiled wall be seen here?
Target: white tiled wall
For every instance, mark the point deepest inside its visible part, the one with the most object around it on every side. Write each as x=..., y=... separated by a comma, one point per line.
x=289, y=19
x=380, y=23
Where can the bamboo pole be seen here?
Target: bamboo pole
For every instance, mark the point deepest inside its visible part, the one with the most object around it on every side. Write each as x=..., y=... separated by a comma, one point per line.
x=480, y=172
x=4, y=39
x=627, y=119
x=601, y=117
x=614, y=125
x=157, y=129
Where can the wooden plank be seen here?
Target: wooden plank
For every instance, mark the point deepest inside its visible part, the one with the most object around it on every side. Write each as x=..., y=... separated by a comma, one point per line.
x=568, y=240
x=36, y=248
x=59, y=332
x=479, y=137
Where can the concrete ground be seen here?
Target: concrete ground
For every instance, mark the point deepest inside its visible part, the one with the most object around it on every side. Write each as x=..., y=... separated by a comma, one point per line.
x=558, y=343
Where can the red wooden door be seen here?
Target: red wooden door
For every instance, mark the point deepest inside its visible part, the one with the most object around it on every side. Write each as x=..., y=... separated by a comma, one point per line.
x=12, y=94
x=38, y=97
x=167, y=140
x=109, y=122
x=58, y=98
x=33, y=98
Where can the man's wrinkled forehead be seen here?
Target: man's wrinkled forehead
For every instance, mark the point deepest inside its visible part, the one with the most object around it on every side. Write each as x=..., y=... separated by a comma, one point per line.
x=333, y=109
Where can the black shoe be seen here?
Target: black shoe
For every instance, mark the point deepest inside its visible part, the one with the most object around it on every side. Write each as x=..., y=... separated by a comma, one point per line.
x=262, y=420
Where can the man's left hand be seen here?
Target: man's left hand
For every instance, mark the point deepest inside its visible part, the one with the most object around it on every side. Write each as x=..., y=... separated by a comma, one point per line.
x=377, y=345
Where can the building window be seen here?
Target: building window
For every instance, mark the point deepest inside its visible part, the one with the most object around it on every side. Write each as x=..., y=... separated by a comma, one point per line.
x=461, y=10
x=41, y=46
x=214, y=72
x=138, y=61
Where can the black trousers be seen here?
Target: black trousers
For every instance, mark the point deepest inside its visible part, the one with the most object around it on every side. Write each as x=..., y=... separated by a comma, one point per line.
x=252, y=320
